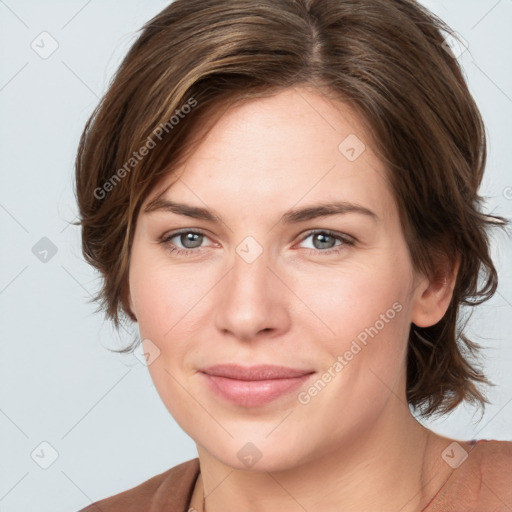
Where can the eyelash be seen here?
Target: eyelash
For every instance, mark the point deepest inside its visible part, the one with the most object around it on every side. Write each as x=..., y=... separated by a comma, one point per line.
x=346, y=241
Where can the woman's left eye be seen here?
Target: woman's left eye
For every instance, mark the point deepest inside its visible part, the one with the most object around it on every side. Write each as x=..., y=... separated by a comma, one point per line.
x=324, y=241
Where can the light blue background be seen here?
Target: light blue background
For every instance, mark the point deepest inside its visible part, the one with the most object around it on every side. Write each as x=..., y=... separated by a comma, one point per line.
x=59, y=383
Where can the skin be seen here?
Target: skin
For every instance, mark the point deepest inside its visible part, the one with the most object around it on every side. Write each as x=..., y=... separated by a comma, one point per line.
x=355, y=445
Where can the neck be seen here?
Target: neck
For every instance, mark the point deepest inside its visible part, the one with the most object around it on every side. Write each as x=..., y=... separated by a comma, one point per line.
x=394, y=465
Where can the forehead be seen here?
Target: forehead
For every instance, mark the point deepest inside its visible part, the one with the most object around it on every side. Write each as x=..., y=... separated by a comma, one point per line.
x=294, y=147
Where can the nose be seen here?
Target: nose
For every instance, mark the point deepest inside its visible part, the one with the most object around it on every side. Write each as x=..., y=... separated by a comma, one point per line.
x=251, y=301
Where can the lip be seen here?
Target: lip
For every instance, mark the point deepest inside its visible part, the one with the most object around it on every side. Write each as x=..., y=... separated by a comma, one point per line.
x=253, y=386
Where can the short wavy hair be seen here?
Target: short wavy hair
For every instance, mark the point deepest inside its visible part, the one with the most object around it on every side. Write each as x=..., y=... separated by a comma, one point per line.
x=388, y=60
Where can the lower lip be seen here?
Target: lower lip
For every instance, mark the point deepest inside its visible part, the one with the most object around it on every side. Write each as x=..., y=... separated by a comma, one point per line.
x=253, y=393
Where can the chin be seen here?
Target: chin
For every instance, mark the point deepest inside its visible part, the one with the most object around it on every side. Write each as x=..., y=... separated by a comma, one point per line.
x=257, y=456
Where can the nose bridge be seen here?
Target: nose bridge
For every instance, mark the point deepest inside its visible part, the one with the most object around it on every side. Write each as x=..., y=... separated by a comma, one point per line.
x=249, y=274
x=250, y=298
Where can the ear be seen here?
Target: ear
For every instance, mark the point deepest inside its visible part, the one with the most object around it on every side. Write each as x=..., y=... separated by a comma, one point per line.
x=433, y=296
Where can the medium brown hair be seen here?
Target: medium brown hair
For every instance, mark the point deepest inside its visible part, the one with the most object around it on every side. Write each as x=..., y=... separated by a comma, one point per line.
x=384, y=58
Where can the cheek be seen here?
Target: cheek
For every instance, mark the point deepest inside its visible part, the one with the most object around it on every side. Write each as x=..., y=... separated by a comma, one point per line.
x=363, y=303
x=164, y=303
x=163, y=297
x=364, y=315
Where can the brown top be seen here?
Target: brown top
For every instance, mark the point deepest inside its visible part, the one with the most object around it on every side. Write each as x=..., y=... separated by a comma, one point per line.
x=480, y=483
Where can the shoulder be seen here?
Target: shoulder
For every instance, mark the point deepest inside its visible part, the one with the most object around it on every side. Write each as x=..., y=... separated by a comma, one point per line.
x=492, y=453
x=480, y=482
x=170, y=490
x=493, y=462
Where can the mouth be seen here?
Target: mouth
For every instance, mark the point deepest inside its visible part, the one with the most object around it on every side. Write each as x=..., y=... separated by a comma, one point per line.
x=253, y=386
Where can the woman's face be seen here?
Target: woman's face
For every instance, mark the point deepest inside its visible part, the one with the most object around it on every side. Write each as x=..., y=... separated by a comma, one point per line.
x=250, y=273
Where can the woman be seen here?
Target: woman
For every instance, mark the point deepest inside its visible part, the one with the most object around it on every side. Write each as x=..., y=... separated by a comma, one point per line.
x=283, y=195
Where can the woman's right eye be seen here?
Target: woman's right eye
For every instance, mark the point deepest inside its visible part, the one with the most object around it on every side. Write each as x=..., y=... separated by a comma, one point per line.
x=188, y=239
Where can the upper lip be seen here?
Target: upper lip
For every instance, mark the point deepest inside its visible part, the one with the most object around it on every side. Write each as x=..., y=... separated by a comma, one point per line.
x=259, y=372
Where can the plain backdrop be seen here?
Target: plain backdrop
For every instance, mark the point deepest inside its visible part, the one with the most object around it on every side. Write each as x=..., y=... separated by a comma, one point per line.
x=77, y=422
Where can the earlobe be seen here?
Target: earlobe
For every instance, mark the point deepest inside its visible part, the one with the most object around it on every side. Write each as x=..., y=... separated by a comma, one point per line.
x=433, y=296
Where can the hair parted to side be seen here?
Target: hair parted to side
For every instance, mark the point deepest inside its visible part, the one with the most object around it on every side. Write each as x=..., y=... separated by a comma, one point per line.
x=385, y=59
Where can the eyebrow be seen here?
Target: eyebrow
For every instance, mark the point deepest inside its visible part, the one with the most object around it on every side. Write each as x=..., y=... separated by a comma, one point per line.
x=292, y=216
